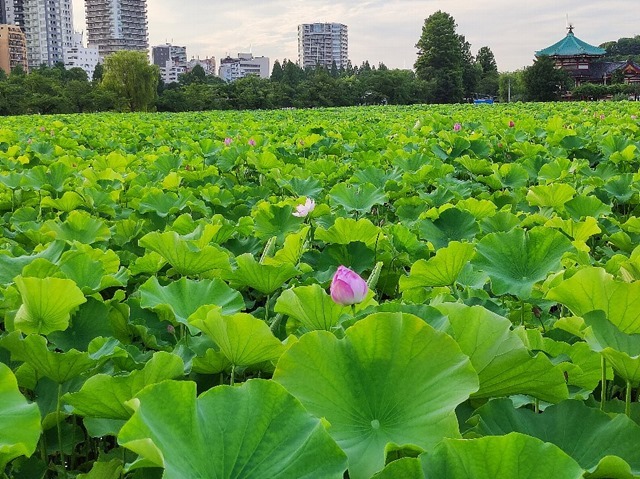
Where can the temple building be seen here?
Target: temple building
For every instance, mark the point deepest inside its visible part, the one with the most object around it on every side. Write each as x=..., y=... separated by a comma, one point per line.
x=585, y=62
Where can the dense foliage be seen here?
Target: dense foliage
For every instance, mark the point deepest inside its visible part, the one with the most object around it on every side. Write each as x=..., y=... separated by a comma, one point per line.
x=166, y=307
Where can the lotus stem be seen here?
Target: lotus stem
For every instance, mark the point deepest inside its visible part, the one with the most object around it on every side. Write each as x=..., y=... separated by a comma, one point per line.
x=603, y=384
x=233, y=375
x=627, y=400
x=536, y=405
x=59, y=426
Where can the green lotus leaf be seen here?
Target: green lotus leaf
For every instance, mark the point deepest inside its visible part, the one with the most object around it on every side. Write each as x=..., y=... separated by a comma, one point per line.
x=501, y=221
x=149, y=263
x=453, y=224
x=312, y=306
x=69, y=201
x=583, y=206
x=265, y=278
x=578, y=230
x=11, y=267
x=392, y=379
x=405, y=468
x=515, y=456
x=516, y=260
x=272, y=220
x=554, y=195
x=504, y=365
x=621, y=350
x=89, y=322
x=291, y=251
x=47, y=304
x=184, y=254
x=104, y=470
x=441, y=270
x=19, y=421
x=243, y=339
x=104, y=395
x=33, y=350
x=590, y=436
x=592, y=289
x=255, y=431
x=162, y=203
x=360, y=198
x=79, y=226
x=511, y=175
x=89, y=274
x=348, y=230
x=180, y=299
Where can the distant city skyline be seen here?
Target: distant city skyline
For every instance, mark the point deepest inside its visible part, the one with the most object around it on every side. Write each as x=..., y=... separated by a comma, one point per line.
x=381, y=31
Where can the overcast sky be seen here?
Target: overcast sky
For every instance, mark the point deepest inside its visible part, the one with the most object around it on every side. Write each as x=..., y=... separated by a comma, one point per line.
x=381, y=31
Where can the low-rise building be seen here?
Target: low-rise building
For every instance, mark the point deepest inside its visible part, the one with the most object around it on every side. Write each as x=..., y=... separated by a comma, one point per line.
x=13, y=48
x=207, y=64
x=244, y=65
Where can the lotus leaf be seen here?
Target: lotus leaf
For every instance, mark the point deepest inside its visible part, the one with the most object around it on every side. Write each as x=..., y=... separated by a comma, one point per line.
x=19, y=421
x=79, y=226
x=516, y=260
x=11, y=267
x=265, y=278
x=360, y=198
x=178, y=300
x=504, y=365
x=515, y=456
x=383, y=383
x=256, y=431
x=184, y=254
x=104, y=395
x=441, y=270
x=243, y=339
x=592, y=289
x=348, y=230
x=33, y=350
x=47, y=304
x=312, y=306
x=554, y=195
x=620, y=349
x=453, y=224
x=591, y=437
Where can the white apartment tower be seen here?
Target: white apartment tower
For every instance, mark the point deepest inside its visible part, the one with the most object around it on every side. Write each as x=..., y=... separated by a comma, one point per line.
x=114, y=25
x=246, y=64
x=171, y=59
x=79, y=56
x=48, y=26
x=322, y=44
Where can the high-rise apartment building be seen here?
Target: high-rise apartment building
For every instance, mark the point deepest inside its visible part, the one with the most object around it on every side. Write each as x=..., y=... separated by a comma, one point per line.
x=172, y=61
x=323, y=44
x=48, y=26
x=13, y=48
x=115, y=25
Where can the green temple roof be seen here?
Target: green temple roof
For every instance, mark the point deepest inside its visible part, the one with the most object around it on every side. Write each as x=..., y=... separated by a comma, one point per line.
x=571, y=46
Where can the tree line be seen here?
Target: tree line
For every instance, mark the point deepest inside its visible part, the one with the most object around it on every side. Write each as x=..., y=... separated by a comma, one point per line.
x=446, y=71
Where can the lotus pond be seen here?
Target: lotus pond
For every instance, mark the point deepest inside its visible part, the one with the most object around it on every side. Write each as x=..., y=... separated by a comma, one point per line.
x=166, y=308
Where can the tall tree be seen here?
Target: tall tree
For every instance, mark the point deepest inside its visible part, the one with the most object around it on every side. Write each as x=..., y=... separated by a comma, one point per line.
x=471, y=71
x=543, y=81
x=439, y=61
x=489, y=80
x=129, y=75
x=487, y=60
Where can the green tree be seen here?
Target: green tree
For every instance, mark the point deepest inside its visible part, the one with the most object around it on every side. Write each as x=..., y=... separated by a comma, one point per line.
x=277, y=73
x=489, y=79
x=439, y=61
x=471, y=71
x=511, y=82
x=129, y=75
x=543, y=81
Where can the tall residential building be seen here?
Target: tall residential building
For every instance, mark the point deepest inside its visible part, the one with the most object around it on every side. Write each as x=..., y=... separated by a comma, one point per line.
x=115, y=25
x=172, y=61
x=322, y=44
x=48, y=26
x=13, y=48
x=80, y=56
x=246, y=64
x=14, y=12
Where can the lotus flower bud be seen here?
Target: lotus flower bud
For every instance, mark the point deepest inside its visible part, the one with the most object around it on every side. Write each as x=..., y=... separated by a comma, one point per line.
x=347, y=287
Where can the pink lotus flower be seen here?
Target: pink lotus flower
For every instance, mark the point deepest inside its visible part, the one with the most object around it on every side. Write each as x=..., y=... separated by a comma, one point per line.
x=457, y=127
x=511, y=124
x=303, y=210
x=228, y=141
x=347, y=287
x=252, y=142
